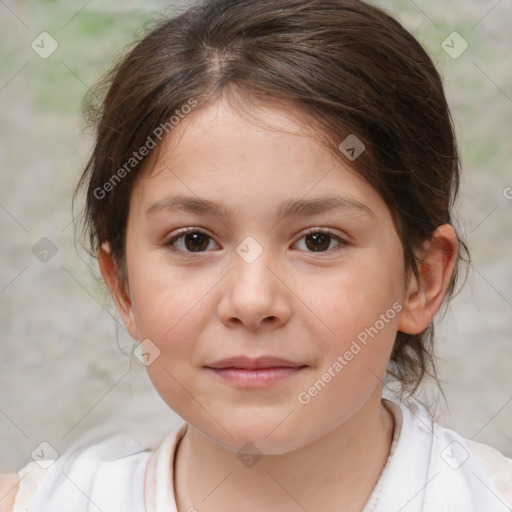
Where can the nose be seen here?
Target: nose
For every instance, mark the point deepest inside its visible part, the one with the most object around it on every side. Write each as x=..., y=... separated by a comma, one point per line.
x=255, y=294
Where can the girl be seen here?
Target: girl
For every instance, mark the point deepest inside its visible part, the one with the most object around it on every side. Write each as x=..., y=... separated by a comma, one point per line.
x=269, y=199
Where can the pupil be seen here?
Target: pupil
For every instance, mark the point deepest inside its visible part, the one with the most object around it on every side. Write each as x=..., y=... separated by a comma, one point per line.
x=319, y=240
x=199, y=241
x=196, y=242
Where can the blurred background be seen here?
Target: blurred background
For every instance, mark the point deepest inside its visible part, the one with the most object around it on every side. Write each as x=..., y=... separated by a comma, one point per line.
x=65, y=365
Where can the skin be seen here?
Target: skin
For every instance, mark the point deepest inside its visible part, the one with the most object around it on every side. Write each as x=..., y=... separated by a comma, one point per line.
x=8, y=489
x=291, y=302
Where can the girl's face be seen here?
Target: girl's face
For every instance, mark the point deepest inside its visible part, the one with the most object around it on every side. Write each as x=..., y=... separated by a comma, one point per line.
x=290, y=255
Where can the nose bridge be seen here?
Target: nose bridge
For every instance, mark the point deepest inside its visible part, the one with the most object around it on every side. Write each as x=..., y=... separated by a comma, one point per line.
x=250, y=250
x=254, y=293
x=251, y=268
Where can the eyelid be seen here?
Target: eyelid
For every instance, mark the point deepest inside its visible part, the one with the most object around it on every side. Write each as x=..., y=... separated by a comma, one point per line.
x=327, y=231
x=342, y=241
x=176, y=236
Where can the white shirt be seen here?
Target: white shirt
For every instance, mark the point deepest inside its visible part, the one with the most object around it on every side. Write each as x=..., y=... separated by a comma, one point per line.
x=430, y=468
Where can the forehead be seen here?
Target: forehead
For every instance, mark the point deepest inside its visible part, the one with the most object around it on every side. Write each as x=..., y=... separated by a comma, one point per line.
x=220, y=153
x=234, y=128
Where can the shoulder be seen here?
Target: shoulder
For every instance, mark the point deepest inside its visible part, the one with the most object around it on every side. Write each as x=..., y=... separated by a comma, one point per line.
x=482, y=471
x=114, y=466
x=9, y=483
x=109, y=469
x=486, y=469
x=451, y=471
x=497, y=466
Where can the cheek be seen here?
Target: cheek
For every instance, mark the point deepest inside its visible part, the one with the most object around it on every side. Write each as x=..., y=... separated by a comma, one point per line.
x=360, y=308
x=170, y=310
x=167, y=300
x=355, y=299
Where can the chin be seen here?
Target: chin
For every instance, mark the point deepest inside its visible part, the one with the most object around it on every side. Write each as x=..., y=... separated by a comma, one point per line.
x=266, y=435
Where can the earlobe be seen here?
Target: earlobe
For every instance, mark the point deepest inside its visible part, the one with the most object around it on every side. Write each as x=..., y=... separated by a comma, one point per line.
x=425, y=295
x=121, y=296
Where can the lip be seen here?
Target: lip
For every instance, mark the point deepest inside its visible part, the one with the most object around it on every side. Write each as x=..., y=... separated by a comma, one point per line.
x=249, y=363
x=249, y=372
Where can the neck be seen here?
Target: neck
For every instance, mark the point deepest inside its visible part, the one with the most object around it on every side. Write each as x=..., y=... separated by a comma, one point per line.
x=347, y=460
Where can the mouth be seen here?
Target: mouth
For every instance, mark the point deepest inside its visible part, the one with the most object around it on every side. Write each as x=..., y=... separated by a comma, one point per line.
x=260, y=372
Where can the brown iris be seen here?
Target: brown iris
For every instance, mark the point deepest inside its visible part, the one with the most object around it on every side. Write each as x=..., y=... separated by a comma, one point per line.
x=195, y=242
x=321, y=241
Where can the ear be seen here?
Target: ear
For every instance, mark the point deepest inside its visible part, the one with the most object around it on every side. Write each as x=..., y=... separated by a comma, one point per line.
x=425, y=296
x=121, y=296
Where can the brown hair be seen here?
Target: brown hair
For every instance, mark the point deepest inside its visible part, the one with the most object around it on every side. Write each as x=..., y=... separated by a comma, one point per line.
x=345, y=66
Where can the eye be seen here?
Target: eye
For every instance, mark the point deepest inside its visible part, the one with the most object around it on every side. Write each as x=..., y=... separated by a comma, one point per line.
x=319, y=240
x=192, y=240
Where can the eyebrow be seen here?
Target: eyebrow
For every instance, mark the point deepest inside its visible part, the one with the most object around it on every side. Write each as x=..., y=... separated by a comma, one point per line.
x=286, y=209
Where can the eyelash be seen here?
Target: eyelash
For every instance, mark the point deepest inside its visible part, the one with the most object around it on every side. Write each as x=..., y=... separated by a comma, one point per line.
x=341, y=242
